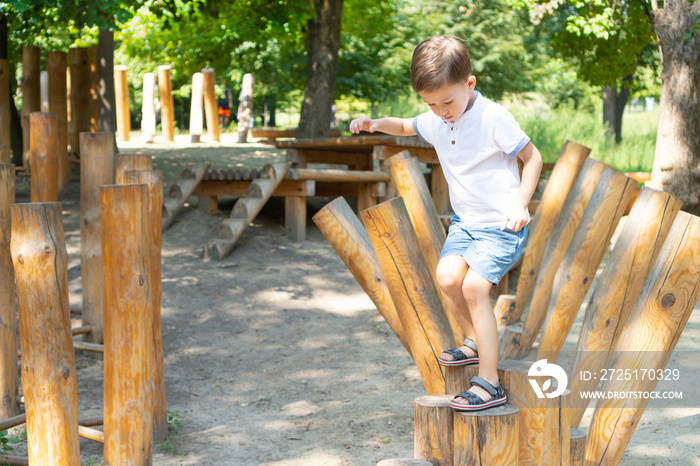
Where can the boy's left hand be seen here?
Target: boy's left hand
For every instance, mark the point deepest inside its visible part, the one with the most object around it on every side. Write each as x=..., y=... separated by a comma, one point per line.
x=515, y=219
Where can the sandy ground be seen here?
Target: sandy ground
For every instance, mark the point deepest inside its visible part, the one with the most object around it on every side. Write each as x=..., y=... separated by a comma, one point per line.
x=275, y=355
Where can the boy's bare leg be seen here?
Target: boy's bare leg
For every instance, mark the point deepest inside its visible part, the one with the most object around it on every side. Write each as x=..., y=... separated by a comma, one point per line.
x=476, y=294
x=451, y=271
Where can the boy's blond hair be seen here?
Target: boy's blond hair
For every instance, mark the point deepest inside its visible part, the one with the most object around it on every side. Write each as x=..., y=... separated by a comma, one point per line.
x=439, y=61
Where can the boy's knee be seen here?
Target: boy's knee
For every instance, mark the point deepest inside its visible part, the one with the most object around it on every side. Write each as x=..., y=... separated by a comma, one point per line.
x=476, y=292
x=449, y=278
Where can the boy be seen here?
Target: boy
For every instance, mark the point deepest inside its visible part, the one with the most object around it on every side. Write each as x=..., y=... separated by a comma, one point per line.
x=477, y=142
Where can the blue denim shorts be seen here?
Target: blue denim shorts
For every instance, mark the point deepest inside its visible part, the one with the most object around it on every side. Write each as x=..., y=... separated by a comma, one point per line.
x=488, y=250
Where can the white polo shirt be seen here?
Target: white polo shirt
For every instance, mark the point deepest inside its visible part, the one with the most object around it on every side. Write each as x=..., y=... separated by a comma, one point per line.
x=477, y=153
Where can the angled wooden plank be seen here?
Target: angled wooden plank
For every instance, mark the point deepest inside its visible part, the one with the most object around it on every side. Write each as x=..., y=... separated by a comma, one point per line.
x=180, y=191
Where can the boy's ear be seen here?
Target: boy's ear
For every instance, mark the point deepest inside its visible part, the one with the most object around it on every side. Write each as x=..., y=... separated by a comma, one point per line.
x=471, y=82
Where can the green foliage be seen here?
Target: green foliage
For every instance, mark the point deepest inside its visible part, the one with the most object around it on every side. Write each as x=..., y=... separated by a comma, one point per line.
x=6, y=441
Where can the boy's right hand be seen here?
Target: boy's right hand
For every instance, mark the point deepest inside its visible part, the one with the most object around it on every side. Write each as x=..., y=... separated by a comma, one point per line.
x=363, y=124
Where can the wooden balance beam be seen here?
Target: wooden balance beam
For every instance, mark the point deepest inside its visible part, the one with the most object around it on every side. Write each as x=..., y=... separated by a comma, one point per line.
x=271, y=134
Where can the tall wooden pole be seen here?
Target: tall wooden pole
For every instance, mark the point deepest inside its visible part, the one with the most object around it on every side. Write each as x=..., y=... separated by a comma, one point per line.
x=128, y=306
x=44, y=91
x=48, y=363
x=417, y=302
x=121, y=91
x=125, y=162
x=167, y=112
x=345, y=233
x=94, y=83
x=79, y=96
x=58, y=103
x=31, y=69
x=657, y=320
x=9, y=326
x=96, y=169
x=196, y=123
x=210, y=107
x=148, y=109
x=618, y=287
x=154, y=180
x=5, y=116
x=246, y=103
x=43, y=162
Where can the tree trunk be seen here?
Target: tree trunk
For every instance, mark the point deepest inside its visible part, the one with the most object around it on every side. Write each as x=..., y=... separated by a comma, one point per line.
x=677, y=159
x=322, y=42
x=614, y=102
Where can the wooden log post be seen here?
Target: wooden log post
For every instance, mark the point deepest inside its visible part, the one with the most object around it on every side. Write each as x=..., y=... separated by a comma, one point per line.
x=57, y=64
x=80, y=97
x=210, y=103
x=618, y=287
x=5, y=115
x=43, y=162
x=128, y=315
x=509, y=308
x=409, y=183
x=126, y=162
x=97, y=169
x=148, y=108
x=487, y=437
x=434, y=429
x=196, y=120
x=167, y=110
x=577, y=446
x=44, y=91
x=411, y=287
x=180, y=191
x=544, y=427
x=583, y=257
x=9, y=327
x=657, y=320
x=457, y=378
x=31, y=98
x=345, y=233
x=94, y=91
x=48, y=364
x=510, y=346
x=404, y=462
x=246, y=107
x=121, y=93
x=154, y=180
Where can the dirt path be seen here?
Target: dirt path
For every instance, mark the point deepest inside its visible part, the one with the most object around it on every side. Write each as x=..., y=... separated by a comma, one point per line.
x=275, y=356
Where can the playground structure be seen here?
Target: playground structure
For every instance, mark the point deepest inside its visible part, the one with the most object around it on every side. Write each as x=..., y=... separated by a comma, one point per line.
x=648, y=282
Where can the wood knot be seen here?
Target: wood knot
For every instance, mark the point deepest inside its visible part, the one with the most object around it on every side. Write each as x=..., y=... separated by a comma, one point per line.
x=140, y=280
x=20, y=259
x=65, y=372
x=47, y=249
x=585, y=280
x=668, y=300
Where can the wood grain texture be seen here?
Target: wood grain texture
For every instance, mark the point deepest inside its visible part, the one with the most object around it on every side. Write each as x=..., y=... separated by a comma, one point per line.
x=43, y=162
x=210, y=105
x=9, y=326
x=584, y=255
x=49, y=379
x=433, y=432
x=125, y=162
x=79, y=122
x=349, y=239
x=559, y=185
x=167, y=109
x=647, y=341
x=487, y=437
x=409, y=183
x=577, y=447
x=128, y=319
x=410, y=283
x=121, y=98
x=31, y=99
x=56, y=65
x=97, y=169
x=154, y=180
x=457, y=378
x=555, y=251
x=619, y=286
x=544, y=426
x=5, y=113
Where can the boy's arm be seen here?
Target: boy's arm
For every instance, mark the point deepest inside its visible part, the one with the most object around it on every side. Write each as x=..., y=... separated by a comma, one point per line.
x=516, y=218
x=390, y=125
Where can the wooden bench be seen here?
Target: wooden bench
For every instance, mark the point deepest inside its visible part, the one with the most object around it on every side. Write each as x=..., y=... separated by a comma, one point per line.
x=272, y=134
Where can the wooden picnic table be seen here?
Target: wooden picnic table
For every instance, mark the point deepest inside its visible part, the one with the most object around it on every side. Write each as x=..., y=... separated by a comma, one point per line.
x=360, y=152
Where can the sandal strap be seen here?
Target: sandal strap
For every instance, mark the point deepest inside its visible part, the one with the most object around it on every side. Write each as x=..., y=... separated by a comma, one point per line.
x=483, y=383
x=469, y=343
x=457, y=354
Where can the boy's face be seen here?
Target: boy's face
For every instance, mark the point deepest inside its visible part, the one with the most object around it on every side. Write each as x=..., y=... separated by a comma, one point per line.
x=451, y=101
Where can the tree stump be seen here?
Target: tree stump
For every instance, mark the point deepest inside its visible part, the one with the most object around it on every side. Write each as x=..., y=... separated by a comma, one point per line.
x=121, y=98
x=125, y=162
x=96, y=169
x=48, y=363
x=128, y=325
x=345, y=233
x=659, y=316
x=487, y=437
x=43, y=162
x=457, y=378
x=410, y=284
x=577, y=447
x=433, y=429
x=9, y=327
x=57, y=64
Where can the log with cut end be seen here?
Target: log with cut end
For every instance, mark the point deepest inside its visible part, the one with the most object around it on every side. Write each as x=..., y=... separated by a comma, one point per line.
x=124, y=162
x=433, y=432
x=49, y=380
x=179, y=192
x=411, y=286
x=487, y=437
x=559, y=185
